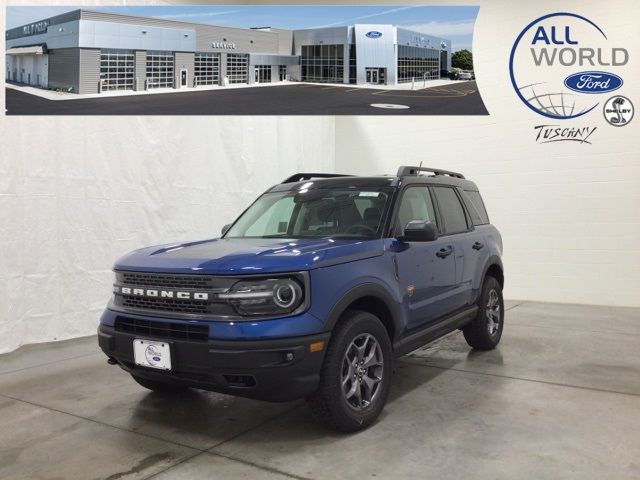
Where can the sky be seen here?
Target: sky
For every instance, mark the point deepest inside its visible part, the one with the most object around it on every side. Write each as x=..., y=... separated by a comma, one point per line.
x=453, y=23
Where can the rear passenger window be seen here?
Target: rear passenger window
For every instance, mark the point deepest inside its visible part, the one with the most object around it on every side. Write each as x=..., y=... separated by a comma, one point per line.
x=451, y=209
x=415, y=205
x=475, y=205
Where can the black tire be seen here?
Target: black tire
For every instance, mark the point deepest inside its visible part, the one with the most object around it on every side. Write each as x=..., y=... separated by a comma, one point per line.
x=159, y=386
x=329, y=404
x=483, y=333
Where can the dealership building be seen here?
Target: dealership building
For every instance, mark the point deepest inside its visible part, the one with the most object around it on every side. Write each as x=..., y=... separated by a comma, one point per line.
x=85, y=52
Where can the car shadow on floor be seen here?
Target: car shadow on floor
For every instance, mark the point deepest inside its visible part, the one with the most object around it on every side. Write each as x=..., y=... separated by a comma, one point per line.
x=194, y=411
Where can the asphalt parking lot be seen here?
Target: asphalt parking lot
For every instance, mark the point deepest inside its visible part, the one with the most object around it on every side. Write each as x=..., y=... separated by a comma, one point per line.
x=299, y=99
x=558, y=399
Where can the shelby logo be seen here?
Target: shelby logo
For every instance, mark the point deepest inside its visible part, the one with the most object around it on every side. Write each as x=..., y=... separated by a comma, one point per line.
x=556, y=133
x=618, y=111
x=155, y=293
x=544, y=60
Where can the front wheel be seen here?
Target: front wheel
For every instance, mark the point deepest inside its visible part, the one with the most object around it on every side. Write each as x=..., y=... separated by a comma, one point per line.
x=356, y=374
x=485, y=331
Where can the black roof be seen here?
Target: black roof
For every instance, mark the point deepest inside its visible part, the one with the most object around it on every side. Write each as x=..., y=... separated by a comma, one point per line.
x=405, y=175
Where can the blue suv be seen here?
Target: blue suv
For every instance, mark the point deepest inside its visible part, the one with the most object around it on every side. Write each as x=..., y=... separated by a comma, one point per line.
x=312, y=292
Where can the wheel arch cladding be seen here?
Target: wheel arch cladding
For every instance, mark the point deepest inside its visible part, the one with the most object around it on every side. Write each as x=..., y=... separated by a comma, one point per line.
x=369, y=298
x=494, y=269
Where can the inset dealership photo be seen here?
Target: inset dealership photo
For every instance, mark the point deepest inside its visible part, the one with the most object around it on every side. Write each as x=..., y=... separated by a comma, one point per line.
x=249, y=60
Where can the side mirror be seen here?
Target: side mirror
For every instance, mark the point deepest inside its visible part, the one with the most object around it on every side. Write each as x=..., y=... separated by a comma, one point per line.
x=225, y=228
x=419, y=231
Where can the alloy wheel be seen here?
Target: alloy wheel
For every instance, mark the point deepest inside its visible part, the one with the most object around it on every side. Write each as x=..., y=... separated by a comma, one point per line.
x=493, y=312
x=362, y=371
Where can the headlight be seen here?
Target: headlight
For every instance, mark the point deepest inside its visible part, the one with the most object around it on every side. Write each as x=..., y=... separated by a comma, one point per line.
x=265, y=297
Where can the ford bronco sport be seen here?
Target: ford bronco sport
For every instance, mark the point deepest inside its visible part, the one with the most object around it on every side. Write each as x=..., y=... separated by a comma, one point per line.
x=312, y=292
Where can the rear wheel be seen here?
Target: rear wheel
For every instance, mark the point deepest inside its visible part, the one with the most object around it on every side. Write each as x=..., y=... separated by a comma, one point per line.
x=159, y=386
x=485, y=331
x=356, y=374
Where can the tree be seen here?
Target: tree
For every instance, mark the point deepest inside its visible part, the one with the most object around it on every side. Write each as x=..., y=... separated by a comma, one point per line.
x=462, y=59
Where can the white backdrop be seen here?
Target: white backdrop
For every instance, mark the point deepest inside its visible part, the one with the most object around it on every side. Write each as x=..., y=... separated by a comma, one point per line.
x=76, y=193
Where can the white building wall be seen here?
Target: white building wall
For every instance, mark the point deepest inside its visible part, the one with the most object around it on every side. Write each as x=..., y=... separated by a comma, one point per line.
x=9, y=66
x=28, y=69
x=377, y=52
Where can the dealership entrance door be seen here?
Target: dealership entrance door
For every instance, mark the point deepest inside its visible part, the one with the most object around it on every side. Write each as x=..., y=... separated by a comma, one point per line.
x=184, y=78
x=376, y=76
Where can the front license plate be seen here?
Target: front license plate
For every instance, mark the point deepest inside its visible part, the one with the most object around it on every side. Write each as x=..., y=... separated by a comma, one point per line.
x=152, y=354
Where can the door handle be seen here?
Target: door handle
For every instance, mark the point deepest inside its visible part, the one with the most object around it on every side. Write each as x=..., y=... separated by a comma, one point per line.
x=444, y=252
x=478, y=245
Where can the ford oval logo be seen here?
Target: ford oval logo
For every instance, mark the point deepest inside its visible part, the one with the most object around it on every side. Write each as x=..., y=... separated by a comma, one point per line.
x=593, y=82
x=374, y=34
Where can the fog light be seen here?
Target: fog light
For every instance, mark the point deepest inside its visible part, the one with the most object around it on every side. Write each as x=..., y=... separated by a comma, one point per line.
x=288, y=356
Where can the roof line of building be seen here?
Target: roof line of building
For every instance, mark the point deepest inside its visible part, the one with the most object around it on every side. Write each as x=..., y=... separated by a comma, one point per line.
x=178, y=22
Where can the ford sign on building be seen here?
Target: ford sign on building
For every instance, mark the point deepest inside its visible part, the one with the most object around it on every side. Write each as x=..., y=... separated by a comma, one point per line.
x=90, y=52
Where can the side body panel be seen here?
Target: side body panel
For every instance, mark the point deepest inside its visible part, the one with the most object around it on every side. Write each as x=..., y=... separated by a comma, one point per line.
x=331, y=287
x=427, y=281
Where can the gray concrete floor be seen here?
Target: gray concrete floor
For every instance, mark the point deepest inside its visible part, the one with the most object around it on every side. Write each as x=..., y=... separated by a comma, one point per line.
x=559, y=398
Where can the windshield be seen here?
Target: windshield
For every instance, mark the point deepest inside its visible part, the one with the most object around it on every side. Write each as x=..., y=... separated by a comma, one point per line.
x=345, y=213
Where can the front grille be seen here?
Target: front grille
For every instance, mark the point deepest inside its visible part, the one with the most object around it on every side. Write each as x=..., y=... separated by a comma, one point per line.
x=165, y=304
x=158, y=329
x=173, y=283
x=164, y=280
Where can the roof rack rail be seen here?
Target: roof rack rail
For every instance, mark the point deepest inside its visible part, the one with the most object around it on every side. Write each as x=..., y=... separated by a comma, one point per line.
x=308, y=176
x=404, y=171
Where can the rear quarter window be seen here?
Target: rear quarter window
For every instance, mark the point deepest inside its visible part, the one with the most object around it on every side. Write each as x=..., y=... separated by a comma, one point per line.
x=453, y=216
x=475, y=205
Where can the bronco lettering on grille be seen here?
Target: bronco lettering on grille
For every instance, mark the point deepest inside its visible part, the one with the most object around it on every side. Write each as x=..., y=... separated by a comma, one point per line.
x=155, y=293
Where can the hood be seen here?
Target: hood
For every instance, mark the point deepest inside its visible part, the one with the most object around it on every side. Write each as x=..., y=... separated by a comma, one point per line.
x=244, y=256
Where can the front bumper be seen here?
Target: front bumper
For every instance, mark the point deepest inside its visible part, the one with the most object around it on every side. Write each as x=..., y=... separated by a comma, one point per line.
x=257, y=369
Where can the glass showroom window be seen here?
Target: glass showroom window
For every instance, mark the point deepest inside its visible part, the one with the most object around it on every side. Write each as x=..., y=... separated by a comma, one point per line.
x=237, y=68
x=282, y=72
x=323, y=63
x=159, y=69
x=116, y=69
x=263, y=73
x=418, y=63
x=353, y=75
x=207, y=68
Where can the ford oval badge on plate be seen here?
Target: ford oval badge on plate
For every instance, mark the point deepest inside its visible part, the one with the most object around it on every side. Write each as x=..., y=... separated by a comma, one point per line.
x=593, y=82
x=374, y=34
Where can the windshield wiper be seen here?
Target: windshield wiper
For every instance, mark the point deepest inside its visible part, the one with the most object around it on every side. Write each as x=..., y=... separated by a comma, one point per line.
x=350, y=235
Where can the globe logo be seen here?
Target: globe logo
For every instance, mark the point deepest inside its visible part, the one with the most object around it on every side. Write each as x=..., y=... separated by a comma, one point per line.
x=557, y=64
x=153, y=355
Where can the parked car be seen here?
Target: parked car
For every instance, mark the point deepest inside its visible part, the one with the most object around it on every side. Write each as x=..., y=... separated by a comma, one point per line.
x=466, y=75
x=312, y=292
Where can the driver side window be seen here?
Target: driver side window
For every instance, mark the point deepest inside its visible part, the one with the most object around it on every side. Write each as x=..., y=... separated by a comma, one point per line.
x=415, y=204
